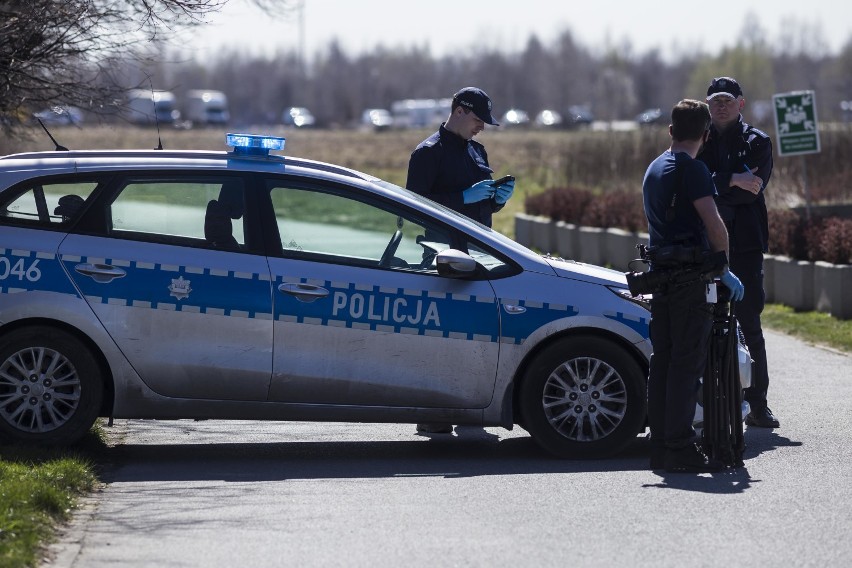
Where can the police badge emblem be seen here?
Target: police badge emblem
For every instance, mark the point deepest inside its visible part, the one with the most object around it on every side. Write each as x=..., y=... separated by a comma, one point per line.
x=180, y=288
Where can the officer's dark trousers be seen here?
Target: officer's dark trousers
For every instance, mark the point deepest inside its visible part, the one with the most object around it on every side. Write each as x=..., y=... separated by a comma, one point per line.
x=748, y=267
x=680, y=334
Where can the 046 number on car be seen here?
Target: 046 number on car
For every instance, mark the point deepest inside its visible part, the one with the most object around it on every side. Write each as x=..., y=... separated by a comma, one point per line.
x=19, y=269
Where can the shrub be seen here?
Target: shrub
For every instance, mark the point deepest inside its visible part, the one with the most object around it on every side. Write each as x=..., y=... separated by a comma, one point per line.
x=786, y=233
x=560, y=204
x=793, y=235
x=620, y=209
x=834, y=243
x=790, y=233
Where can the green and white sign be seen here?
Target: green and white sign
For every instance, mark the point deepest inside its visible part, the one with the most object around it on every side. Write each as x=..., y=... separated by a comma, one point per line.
x=796, y=123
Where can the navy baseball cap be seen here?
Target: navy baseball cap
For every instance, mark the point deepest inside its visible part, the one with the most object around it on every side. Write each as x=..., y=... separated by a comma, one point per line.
x=726, y=86
x=476, y=100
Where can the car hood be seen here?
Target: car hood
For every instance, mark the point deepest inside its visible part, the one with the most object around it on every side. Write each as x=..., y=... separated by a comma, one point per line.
x=586, y=272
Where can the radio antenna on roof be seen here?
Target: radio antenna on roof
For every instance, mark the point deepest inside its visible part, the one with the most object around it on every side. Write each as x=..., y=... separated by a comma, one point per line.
x=156, y=118
x=59, y=147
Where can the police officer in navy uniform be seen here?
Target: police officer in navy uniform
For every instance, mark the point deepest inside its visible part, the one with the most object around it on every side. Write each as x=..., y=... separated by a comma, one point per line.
x=451, y=168
x=678, y=196
x=740, y=158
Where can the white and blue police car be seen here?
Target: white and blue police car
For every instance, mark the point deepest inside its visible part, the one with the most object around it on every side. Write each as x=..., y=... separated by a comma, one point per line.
x=251, y=285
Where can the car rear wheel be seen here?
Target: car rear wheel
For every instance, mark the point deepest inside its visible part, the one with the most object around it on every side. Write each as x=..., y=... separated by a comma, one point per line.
x=583, y=398
x=51, y=387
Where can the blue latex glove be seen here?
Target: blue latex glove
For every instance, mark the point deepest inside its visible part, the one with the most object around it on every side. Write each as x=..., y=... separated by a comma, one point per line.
x=734, y=285
x=479, y=191
x=504, y=192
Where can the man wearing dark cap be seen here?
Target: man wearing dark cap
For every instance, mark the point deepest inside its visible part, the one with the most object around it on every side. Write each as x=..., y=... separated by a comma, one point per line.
x=451, y=168
x=739, y=157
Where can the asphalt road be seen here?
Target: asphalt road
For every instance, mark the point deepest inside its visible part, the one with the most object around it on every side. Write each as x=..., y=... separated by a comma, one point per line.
x=234, y=494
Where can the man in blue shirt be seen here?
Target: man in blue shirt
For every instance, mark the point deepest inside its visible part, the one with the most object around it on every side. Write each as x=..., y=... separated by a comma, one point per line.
x=678, y=195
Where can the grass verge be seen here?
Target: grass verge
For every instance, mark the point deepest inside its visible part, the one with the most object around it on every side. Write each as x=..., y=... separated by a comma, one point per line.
x=814, y=327
x=39, y=488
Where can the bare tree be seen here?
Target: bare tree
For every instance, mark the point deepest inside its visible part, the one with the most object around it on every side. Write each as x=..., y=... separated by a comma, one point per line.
x=63, y=52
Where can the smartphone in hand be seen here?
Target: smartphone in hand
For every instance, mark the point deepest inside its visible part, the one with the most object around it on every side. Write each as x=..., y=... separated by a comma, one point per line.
x=502, y=180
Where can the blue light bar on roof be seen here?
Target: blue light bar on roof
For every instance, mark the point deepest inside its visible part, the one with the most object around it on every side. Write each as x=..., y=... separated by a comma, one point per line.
x=253, y=144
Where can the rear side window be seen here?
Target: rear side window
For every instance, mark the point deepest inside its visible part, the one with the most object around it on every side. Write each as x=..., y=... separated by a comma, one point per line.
x=210, y=211
x=48, y=204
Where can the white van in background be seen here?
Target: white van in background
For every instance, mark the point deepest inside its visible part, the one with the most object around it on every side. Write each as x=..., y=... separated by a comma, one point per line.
x=148, y=107
x=420, y=113
x=206, y=107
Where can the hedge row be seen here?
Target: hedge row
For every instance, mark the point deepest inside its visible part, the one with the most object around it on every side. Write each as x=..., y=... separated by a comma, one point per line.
x=790, y=234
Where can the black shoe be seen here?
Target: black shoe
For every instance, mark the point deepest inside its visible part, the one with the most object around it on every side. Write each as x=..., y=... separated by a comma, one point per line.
x=434, y=428
x=690, y=459
x=762, y=419
x=658, y=458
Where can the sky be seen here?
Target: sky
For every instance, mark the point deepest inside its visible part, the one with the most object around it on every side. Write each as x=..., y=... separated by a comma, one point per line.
x=450, y=26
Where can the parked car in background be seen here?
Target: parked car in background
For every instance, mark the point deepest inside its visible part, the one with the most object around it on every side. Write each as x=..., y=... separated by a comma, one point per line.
x=649, y=116
x=377, y=118
x=60, y=115
x=515, y=117
x=578, y=116
x=548, y=119
x=300, y=117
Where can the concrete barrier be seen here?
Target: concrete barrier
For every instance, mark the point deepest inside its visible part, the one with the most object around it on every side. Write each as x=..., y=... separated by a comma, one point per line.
x=794, y=283
x=802, y=285
x=621, y=248
x=567, y=240
x=833, y=289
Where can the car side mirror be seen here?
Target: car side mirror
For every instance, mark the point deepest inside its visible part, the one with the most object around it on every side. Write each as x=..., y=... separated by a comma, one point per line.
x=454, y=263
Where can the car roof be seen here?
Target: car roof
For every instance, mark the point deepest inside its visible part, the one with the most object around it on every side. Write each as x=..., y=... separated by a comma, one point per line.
x=81, y=160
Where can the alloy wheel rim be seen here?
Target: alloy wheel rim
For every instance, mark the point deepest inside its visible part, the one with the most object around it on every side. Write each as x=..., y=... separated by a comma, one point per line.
x=39, y=390
x=584, y=399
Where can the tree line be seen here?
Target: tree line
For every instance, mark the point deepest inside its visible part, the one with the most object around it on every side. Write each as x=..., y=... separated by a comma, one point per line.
x=613, y=82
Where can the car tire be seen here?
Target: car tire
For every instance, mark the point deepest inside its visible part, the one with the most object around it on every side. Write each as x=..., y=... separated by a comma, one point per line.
x=51, y=387
x=583, y=397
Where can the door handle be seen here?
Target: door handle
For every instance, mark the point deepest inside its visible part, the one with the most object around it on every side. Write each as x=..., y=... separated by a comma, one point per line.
x=100, y=272
x=303, y=292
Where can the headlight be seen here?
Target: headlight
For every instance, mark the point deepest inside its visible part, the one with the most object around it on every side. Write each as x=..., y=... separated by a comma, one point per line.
x=642, y=300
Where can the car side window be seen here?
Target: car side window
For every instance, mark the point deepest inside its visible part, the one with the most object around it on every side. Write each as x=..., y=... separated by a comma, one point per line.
x=338, y=228
x=210, y=211
x=343, y=229
x=48, y=204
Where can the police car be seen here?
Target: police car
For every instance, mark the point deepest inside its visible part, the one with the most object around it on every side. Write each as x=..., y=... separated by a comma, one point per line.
x=251, y=285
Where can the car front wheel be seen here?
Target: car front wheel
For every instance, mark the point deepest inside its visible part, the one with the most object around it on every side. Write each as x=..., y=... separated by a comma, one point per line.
x=51, y=387
x=583, y=397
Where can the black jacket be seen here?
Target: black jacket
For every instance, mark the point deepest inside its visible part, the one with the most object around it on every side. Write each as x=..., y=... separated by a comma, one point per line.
x=444, y=165
x=741, y=146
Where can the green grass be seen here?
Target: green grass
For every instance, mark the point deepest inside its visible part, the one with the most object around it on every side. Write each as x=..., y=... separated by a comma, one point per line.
x=814, y=327
x=39, y=488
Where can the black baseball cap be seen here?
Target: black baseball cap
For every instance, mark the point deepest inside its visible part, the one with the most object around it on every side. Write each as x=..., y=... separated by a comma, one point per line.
x=476, y=100
x=724, y=86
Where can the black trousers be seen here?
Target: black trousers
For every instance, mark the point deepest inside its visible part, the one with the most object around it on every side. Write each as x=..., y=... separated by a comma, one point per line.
x=748, y=267
x=681, y=322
